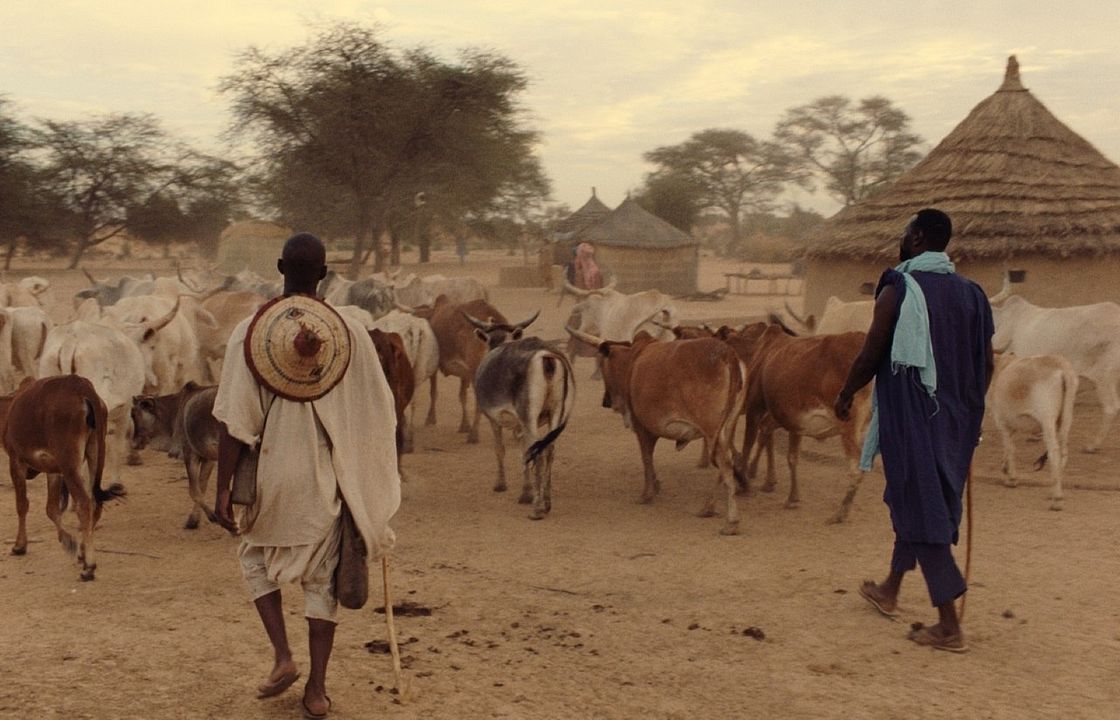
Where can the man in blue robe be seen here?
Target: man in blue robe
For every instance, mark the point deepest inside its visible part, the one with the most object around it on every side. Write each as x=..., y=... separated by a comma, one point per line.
x=929, y=350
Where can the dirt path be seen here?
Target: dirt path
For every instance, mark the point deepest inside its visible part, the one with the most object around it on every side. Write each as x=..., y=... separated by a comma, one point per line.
x=607, y=609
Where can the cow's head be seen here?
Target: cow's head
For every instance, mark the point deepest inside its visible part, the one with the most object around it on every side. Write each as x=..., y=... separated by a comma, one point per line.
x=495, y=334
x=151, y=422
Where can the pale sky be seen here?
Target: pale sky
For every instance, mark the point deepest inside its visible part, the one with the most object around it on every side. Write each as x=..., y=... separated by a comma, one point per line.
x=610, y=80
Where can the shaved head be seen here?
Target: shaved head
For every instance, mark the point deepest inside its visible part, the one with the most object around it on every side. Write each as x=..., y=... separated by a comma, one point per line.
x=303, y=263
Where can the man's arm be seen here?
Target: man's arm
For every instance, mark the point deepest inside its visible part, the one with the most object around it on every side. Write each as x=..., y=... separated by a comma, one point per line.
x=875, y=348
x=229, y=449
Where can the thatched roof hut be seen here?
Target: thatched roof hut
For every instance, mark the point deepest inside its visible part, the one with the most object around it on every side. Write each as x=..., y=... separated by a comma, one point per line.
x=643, y=251
x=563, y=239
x=1023, y=190
x=251, y=245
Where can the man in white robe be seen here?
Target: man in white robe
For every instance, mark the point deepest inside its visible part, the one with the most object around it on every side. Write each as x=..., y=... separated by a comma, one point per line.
x=313, y=456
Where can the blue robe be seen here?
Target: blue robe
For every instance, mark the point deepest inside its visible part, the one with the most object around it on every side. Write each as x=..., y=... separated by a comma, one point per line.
x=927, y=443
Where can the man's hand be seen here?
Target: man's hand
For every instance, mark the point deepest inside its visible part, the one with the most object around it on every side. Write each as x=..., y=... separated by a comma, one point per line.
x=843, y=406
x=223, y=508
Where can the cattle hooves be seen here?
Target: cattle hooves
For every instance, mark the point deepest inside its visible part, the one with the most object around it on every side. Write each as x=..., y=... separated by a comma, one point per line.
x=1090, y=450
x=792, y=504
x=837, y=519
x=706, y=513
x=19, y=551
x=537, y=515
x=135, y=459
x=525, y=499
x=1010, y=482
x=768, y=487
x=87, y=575
x=729, y=529
x=191, y=523
x=500, y=488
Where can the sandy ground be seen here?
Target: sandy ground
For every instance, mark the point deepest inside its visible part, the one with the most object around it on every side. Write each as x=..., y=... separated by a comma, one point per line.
x=607, y=609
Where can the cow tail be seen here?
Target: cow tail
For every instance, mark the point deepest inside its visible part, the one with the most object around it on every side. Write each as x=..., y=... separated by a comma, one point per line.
x=735, y=400
x=550, y=363
x=97, y=420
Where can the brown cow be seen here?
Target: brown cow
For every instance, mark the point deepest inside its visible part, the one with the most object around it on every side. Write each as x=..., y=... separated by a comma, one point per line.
x=795, y=381
x=460, y=350
x=682, y=390
x=398, y=372
x=227, y=308
x=54, y=426
x=182, y=423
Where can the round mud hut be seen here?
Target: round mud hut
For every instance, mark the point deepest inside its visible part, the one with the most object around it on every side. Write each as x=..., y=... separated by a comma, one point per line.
x=563, y=238
x=251, y=245
x=1025, y=193
x=643, y=252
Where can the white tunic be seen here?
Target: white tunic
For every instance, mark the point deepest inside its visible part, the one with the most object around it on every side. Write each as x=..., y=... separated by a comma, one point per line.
x=313, y=451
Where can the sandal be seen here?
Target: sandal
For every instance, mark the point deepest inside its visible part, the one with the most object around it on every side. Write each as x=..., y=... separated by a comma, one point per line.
x=272, y=689
x=925, y=636
x=308, y=715
x=866, y=593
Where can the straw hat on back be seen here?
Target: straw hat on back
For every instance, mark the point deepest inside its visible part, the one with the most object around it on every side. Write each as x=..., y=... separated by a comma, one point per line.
x=298, y=347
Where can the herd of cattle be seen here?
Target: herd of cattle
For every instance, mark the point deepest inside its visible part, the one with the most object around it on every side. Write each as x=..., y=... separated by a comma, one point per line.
x=137, y=368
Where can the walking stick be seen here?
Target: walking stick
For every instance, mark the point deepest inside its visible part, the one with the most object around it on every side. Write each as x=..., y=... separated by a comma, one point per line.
x=968, y=542
x=403, y=688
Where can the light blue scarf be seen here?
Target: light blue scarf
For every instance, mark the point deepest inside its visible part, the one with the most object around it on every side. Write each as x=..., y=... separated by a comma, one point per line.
x=912, y=345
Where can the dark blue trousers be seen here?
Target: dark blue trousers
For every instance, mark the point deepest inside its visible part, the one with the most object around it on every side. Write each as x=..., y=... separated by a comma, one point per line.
x=943, y=577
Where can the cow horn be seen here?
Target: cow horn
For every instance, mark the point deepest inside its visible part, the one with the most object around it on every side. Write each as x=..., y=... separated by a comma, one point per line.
x=404, y=308
x=483, y=326
x=660, y=324
x=803, y=322
x=189, y=286
x=609, y=286
x=651, y=320
x=1004, y=293
x=89, y=277
x=526, y=323
x=160, y=323
x=583, y=337
x=578, y=292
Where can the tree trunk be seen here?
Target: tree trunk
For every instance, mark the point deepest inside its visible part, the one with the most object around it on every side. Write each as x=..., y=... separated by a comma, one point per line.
x=12, y=243
x=78, y=253
x=394, y=249
x=424, y=241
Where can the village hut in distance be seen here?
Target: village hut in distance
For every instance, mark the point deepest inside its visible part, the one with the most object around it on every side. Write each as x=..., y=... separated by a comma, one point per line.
x=1024, y=192
x=563, y=238
x=251, y=245
x=642, y=251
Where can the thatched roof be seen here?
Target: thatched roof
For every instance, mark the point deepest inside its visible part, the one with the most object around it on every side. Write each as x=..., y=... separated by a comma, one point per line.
x=591, y=212
x=631, y=225
x=1012, y=177
x=255, y=230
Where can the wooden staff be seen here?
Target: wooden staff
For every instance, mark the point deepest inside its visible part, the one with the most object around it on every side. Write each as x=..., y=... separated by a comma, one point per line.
x=967, y=541
x=403, y=688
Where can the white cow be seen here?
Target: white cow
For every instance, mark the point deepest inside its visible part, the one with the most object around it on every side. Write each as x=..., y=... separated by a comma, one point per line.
x=423, y=354
x=1028, y=393
x=165, y=336
x=415, y=290
x=1086, y=335
x=106, y=357
x=839, y=317
x=22, y=336
x=611, y=315
x=28, y=292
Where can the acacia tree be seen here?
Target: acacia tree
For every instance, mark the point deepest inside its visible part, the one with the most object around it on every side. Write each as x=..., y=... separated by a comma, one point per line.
x=100, y=168
x=855, y=149
x=367, y=128
x=674, y=198
x=731, y=171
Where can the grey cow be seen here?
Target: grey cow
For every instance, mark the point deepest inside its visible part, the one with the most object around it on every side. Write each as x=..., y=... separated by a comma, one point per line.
x=183, y=422
x=373, y=296
x=527, y=385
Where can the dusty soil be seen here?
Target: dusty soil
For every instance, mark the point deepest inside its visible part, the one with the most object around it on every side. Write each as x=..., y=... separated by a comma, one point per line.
x=607, y=609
